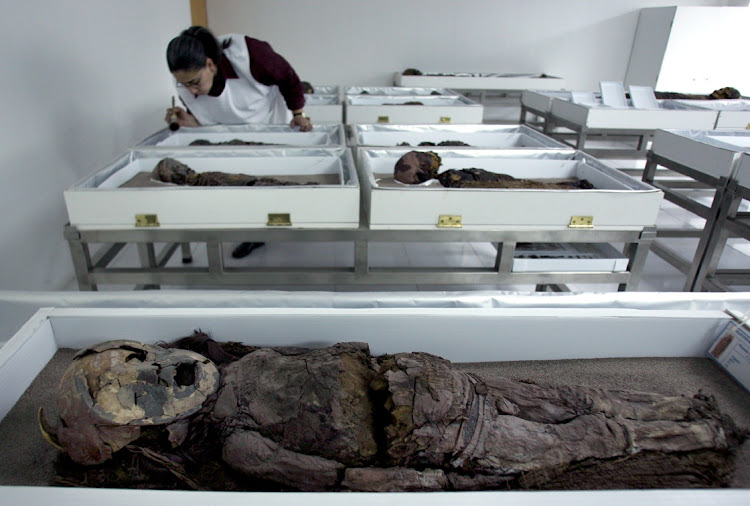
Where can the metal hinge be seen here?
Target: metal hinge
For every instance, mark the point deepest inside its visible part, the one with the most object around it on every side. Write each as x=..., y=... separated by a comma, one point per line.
x=279, y=220
x=146, y=220
x=384, y=119
x=449, y=221
x=581, y=222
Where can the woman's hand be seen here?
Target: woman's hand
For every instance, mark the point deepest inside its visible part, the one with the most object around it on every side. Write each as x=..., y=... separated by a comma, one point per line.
x=181, y=117
x=301, y=121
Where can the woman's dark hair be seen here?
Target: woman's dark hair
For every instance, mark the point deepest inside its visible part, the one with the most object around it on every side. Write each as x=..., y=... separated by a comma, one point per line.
x=189, y=50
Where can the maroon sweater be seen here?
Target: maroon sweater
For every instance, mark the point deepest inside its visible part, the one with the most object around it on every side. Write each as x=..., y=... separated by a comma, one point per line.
x=267, y=67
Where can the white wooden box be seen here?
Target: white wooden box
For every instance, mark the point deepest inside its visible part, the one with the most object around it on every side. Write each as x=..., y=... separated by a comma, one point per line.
x=709, y=152
x=99, y=201
x=733, y=114
x=618, y=201
x=393, y=109
x=271, y=135
x=418, y=91
x=486, y=136
x=323, y=109
x=482, y=81
x=325, y=105
x=499, y=334
x=541, y=100
x=671, y=114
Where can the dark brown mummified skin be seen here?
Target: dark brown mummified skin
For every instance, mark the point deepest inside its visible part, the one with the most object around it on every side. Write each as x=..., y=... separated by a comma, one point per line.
x=480, y=178
x=233, y=142
x=169, y=170
x=417, y=167
x=337, y=418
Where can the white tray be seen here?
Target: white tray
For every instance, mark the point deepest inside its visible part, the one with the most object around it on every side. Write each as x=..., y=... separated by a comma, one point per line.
x=733, y=114
x=272, y=135
x=671, y=114
x=419, y=207
x=369, y=109
x=710, y=152
x=489, y=136
x=99, y=201
x=483, y=81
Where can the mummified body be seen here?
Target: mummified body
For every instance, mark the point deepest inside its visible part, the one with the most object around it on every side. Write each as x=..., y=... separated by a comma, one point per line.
x=339, y=419
x=416, y=167
x=169, y=170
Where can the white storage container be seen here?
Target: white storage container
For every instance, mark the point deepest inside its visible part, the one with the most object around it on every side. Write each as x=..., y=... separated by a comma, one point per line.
x=269, y=135
x=707, y=151
x=617, y=202
x=671, y=114
x=482, y=81
x=396, y=109
x=100, y=201
x=733, y=114
x=398, y=91
x=485, y=136
x=325, y=105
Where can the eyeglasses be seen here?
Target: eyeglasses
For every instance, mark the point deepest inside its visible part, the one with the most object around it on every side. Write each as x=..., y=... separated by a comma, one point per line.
x=194, y=82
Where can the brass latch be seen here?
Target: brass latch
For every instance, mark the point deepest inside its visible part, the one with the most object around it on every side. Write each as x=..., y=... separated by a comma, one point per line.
x=146, y=220
x=279, y=220
x=449, y=221
x=581, y=222
x=384, y=119
x=445, y=119
x=747, y=127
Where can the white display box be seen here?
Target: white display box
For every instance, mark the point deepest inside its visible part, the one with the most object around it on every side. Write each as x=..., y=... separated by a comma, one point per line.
x=500, y=334
x=709, y=152
x=325, y=105
x=398, y=91
x=100, y=202
x=570, y=257
x=617, y=202
x=270, y=135
x=323, y=109
x=541, y=100
x=733, y=114
x=485, y=136
x=393, y=109
x=482, y=81
x=671, y=114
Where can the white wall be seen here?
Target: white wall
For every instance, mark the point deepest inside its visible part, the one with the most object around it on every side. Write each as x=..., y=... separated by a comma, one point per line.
x=363, y=42
x=82, y=80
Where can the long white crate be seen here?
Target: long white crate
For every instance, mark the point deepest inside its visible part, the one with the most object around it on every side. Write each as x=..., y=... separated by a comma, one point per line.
x=671, y=114
x=485, y=136
x=269, y=135
x=100, y=201
x=617, y=202
x=482, y=81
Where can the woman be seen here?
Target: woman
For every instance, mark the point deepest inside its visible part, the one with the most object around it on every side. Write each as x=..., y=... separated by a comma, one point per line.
x=234, y=79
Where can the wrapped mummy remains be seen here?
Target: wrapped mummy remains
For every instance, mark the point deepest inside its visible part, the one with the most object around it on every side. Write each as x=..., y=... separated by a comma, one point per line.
x=112, y=390
x=338, y=418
